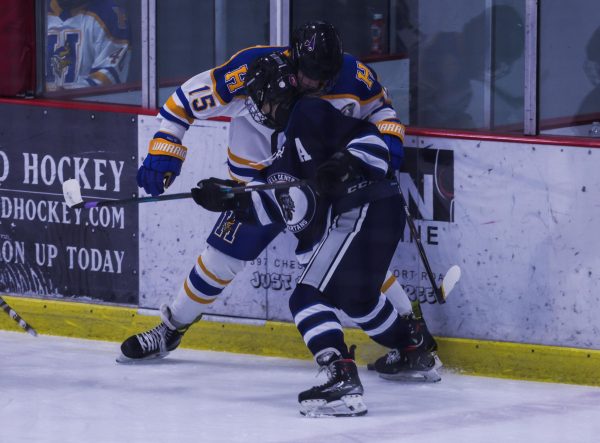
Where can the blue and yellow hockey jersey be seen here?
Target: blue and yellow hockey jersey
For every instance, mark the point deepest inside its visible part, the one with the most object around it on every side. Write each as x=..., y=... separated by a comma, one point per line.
x=220, y=92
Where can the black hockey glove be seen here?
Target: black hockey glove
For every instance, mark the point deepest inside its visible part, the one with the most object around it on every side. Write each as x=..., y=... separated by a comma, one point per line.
x=333, y=174
x=214, y=194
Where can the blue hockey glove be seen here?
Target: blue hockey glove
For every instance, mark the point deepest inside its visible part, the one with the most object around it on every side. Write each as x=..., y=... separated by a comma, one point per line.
x=393, y=136
x=212, y=195
x=161, y=165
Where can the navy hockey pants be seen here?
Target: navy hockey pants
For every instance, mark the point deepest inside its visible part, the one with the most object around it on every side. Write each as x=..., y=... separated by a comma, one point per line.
x=346, y=273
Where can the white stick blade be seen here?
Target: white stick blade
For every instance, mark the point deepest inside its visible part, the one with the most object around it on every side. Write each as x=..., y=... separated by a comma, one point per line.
x=72, y=192
x=450, y=279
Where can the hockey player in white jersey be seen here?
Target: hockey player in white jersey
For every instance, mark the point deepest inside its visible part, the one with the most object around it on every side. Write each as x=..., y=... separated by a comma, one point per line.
x=347, y=219
x=324, y=70
x=87, y=44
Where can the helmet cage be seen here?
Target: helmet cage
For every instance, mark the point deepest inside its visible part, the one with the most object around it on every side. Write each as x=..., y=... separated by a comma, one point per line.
x=271, y=86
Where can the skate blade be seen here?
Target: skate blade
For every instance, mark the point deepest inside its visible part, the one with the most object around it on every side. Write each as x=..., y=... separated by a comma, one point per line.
x=429, y=376
x=347, y=406
x=438, y=363
x=123, y=360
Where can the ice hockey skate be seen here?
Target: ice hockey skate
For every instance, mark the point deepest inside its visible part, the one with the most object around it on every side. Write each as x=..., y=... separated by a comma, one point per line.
x=340, y=396
x=155, y=343
x=409, y=365
x=416, y=362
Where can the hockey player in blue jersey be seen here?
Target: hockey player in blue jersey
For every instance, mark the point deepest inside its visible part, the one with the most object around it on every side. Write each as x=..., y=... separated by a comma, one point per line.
x=324, y=70
x=346, y=216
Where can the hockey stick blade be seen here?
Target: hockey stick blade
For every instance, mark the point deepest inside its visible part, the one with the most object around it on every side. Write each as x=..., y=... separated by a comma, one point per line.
x=450, y=279
x=16, y=317
x=72, y=193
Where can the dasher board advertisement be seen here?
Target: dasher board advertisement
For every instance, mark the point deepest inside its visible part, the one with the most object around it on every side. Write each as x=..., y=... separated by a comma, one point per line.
x=46, y=248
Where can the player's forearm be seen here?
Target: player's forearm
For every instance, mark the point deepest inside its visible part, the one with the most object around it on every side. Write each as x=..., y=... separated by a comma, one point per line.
x=371, y=154
x=171, y=128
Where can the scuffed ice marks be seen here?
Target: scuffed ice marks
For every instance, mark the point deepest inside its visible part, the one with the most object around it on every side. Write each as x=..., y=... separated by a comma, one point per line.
x=25, y=280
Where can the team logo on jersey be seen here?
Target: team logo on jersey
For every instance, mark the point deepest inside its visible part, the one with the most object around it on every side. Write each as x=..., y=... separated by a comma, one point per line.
x=227, y=227
x=310, y=44
x=235, y=79
x=297, y=204
x=364, y=74
x=62, y=59
x=286, y=203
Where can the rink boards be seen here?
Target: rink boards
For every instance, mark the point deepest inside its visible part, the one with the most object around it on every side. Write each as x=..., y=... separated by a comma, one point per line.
x=518, y=219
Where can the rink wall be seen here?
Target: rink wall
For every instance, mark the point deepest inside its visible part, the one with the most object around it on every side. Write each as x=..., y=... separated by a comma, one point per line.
x=518, y=217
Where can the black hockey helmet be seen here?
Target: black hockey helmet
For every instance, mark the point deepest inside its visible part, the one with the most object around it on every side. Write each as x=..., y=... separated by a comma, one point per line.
x=272, y=90
x=317, y=52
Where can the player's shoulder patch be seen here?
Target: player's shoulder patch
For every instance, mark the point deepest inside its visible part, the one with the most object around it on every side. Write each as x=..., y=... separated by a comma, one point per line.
x=229, y=77
x=356, y=79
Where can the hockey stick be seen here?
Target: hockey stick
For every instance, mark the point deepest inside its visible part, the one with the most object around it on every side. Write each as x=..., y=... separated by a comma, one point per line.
x=452, y=275
x=72, y=194
x=12, y=314
x=266, y=187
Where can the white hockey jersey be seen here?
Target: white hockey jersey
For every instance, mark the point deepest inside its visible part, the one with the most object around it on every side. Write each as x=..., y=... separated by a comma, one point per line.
x=220, y=92
x=86, y=46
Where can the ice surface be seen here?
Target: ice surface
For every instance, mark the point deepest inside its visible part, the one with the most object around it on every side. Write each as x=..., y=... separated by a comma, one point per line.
x=69, y=390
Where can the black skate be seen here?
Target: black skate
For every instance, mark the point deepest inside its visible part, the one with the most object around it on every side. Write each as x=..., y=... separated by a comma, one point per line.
x=416, y=362
x=341, y=396
x=420, y=326
x=153, y=344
